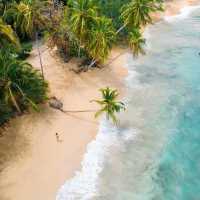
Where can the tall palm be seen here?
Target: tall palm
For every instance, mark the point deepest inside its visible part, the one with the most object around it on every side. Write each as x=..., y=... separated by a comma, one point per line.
x=82, y=14
x=59, y=33
x=136, y=42
x=137, y=13
x=20, y=84
x=101, y=37
x=7, y=35
x=22, y=16
x=109, y=104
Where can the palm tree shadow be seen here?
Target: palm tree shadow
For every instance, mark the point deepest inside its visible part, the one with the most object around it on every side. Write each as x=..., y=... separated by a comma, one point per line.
x=81, y=118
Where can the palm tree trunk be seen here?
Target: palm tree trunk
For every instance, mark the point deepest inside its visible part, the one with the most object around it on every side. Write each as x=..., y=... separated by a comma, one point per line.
x=39, y=53
x=121, y=28
x=79, y=51
x=92, y=63
x=14, y=101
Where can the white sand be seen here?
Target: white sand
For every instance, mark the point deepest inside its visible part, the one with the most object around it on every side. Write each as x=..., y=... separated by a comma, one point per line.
x=46, y=164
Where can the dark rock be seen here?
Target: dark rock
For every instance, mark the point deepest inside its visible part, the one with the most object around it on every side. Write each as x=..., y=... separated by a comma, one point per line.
x=55, y=103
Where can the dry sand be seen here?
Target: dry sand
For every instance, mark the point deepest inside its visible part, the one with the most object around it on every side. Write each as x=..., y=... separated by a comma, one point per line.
x=45, y=164
x=42, y=164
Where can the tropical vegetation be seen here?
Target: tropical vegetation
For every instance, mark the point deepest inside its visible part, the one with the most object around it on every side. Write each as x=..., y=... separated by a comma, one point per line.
x=109, y=104
x=86, y=29
x=21, y=86
x=95, y=26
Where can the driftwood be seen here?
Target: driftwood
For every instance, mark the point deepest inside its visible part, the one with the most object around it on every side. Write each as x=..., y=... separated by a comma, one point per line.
x=58, y=105
x=55, y=103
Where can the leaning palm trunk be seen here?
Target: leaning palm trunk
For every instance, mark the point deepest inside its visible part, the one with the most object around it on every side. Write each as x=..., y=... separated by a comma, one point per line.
x=14, y=101
x=79, y=51
x=121, y=28
x=117, y=32
x=39, y=53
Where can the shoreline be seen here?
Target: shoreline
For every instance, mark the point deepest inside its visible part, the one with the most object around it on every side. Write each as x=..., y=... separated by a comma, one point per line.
x=43, y=167
x=45, y=164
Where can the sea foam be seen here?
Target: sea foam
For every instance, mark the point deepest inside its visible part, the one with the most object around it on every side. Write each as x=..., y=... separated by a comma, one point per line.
x=184, y=13
x=84, y=184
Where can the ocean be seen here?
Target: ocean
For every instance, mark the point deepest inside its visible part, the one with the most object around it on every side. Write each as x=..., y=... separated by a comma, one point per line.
x=154, y=153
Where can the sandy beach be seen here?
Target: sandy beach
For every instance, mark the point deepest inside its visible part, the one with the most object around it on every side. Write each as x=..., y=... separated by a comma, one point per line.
x=37, y=163
x=45, y=164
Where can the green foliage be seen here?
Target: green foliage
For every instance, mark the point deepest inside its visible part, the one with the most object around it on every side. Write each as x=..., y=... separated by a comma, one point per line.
x=61, y=36
x=21, y=86
x=136, y=42
x=7, y=35
x=109, y=104
x=27, y=17
x=25, y=50
x=137, y=13
x=83, y=14
x=112, y=9
x=101, y=37
x=5, y=111
x=95, y=34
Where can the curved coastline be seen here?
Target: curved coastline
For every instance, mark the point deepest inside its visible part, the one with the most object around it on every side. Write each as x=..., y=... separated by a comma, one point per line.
x=85, y=183
x=44, y=149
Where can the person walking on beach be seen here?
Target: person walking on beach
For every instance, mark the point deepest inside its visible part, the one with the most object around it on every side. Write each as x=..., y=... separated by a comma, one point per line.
x=58, y=138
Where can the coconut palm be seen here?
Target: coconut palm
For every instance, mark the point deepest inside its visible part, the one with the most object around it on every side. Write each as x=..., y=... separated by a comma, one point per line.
x=27, y=16
x=7, y=35
x=82, y=15
x=109, y=104
x=101, y=37
x=137, y=13
x=20, y=84
x=22, y=16
x=136, y=42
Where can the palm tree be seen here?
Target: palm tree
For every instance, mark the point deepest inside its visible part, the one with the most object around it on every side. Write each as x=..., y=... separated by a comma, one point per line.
x=137, y=13
x=109, y=104
x=59, y=33
x=83, y=14
x=27, y=16
x=101, y=37
x=136, y=42
x=4, y=4
x=20, y=84
x=22, y=16
x=7, y=35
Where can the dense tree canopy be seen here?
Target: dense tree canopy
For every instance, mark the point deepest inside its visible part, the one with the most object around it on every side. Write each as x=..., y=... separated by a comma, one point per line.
x=82, y=28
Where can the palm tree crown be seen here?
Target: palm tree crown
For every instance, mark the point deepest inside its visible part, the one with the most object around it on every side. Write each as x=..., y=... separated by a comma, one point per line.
x=136, y=42
x=109, y=104
x=20, y=84
x=27, y=16
x=137, y=13
x=82, y=15
x=101, y=38
x=7, y=35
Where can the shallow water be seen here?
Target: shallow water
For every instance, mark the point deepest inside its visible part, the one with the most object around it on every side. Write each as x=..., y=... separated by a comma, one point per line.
x=154, y=154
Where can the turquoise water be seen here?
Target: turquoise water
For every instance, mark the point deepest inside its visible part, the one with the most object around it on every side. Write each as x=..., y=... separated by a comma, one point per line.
x=163, y=163
x=154, y=154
